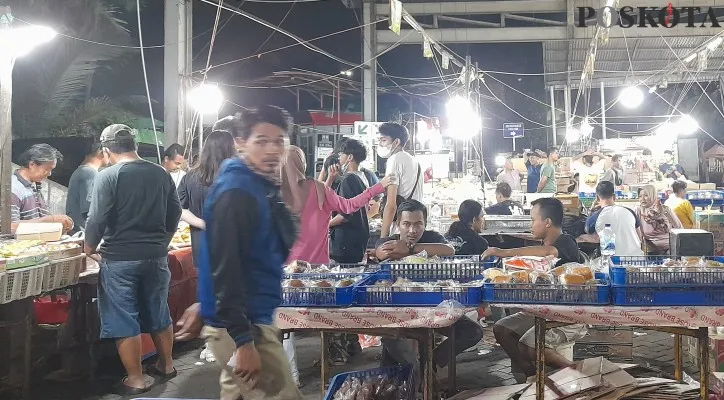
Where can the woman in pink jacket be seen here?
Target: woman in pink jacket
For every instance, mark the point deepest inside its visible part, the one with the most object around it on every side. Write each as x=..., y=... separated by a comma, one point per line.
x=314, y=203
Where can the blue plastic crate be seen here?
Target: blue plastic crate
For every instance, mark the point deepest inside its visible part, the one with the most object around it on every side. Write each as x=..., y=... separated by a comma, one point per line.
x=402, y=373
x=321, y=296
x=653, y=277
x=528, y=293
x=368, y=294
x=455, y=267
x=668, y=296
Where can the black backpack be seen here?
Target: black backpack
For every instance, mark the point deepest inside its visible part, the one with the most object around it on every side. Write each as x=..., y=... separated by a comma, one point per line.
x=399, y=200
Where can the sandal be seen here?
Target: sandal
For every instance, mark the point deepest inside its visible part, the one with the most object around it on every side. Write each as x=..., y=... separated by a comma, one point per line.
x=153, y=370
x=126, y=390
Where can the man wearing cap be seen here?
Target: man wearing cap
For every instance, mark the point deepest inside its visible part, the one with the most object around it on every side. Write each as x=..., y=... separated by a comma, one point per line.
x=134, y=210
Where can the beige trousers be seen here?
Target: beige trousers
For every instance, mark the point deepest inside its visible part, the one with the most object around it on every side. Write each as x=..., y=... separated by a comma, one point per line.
x=275, y=380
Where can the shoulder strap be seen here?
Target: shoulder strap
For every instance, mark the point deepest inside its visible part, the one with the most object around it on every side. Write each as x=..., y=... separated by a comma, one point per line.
x=416, y=180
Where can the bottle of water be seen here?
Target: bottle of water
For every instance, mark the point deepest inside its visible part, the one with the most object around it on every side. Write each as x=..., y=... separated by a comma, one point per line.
x=435, y=214
x=608, y=245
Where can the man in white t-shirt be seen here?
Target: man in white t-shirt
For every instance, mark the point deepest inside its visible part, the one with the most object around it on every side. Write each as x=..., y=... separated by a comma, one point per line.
x=589, y=172
x=392, y=140
x=624, y=222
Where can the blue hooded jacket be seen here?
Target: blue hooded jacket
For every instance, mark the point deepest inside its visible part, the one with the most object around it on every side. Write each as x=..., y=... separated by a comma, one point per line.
x=235, y=295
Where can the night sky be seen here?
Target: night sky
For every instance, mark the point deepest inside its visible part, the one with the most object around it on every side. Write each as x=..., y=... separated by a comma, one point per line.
x=242, y=38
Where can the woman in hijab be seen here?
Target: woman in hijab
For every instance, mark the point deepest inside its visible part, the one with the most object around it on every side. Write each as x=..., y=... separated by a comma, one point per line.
x=656, y=220
x=314, y=203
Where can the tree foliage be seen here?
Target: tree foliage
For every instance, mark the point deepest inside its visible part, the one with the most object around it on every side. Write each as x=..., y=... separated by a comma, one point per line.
x=52, y=93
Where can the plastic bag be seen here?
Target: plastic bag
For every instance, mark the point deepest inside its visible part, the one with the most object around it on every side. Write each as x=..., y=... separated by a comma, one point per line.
x=366, y=341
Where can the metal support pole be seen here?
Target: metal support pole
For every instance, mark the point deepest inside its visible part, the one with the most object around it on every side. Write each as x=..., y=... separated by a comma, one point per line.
x=176, y=68
x=321, y=101
x=298, y=108
x=339, y=109
x=553, y=116
x=466, y=154
x=567, y=101
x=603, y=113
x=369, y=52
x=201, y=132
x=480, y=113
x=6, y=133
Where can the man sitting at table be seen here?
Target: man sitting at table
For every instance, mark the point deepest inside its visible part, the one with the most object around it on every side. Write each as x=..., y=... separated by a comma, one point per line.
x=504, y=205
x=623, y=221
x=516, y=333
x=413, y=239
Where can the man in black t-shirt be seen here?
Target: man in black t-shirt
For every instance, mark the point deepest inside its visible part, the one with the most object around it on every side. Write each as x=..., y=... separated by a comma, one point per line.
x=135, y=211
x=505, y=205
x=349, y=233
x=516, y=333
x=413, y=239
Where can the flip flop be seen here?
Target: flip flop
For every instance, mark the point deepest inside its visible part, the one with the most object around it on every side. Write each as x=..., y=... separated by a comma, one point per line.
x=126, y=390
x=153, y=370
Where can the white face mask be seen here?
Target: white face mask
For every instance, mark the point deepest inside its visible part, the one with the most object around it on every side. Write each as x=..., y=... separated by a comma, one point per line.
x=385, y=152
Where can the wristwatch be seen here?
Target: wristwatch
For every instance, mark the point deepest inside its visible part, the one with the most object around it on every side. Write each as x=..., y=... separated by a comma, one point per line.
x=411, y=246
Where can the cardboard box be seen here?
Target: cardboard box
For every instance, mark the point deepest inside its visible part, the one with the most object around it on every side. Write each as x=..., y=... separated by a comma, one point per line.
x=571, y=203
x=564, y=164
x=710, y=221
x=48, y=232
x=690, y=350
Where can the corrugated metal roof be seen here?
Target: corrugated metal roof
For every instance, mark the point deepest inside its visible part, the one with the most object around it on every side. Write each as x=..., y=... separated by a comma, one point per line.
x=652, y=59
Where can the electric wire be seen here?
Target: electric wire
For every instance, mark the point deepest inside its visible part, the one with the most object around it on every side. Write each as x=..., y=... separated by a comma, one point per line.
x=145, y=79
x=206, y=45
x=276, y=28
x=292, y=45
x=326, y=78
x=279, y=25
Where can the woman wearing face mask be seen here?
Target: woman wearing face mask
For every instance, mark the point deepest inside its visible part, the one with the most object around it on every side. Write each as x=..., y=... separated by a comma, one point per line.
x=656, y=220
x=464, y=234
x=406, y=169
x=314, y=203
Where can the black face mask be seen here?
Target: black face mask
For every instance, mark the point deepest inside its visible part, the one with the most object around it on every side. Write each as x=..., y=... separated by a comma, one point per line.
x=285, y=221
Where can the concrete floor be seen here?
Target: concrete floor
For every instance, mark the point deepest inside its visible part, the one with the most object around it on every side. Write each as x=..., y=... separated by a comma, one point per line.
x=484, y=366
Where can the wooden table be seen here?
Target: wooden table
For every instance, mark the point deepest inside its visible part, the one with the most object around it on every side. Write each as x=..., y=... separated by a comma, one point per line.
x=418, y=323
x=680, y=321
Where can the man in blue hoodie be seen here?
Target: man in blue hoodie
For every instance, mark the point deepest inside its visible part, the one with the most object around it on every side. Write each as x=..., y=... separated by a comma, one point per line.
x=249, y=232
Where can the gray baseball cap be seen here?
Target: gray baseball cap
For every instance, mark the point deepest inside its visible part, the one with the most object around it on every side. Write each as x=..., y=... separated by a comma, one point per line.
x=117, y=132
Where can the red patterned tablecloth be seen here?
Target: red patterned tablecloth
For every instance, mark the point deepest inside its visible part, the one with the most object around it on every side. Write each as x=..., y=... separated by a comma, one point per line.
x=367, y=317
x=689, y=317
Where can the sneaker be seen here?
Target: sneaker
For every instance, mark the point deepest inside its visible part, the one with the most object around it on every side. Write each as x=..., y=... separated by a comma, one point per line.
x=337, y=356
x=207, y=355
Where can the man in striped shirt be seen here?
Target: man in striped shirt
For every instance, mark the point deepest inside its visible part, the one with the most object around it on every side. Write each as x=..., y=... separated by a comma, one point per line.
x=28, y=204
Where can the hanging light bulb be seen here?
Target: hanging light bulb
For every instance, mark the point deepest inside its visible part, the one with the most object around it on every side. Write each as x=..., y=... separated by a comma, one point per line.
x=631, y=97
x=572, y=134
x=499, y=160
x=686, y=125
x=586, y=128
